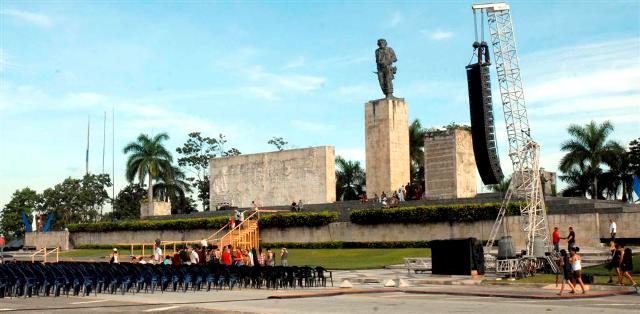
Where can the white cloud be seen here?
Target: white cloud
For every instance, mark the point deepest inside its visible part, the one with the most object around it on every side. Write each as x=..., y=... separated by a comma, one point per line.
x=295, y=63
x=35, y=19
x=352, y=153
x=396, y=19
x=311, y=126
x=437, y=34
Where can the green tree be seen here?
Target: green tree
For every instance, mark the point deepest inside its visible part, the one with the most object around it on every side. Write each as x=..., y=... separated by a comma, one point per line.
x=416, y=150
x=127, y=203
x=501, y=187
x=350, y=179
x=76, y=200
x=172, y=186
x=620, y=174
x=634, y=156
x=194, y=157
x=278, y=142
x=22, y=201
x=149, y=158
x=587, y=151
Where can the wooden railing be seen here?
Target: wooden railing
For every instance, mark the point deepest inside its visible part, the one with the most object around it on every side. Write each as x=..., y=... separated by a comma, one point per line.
x=46, y=253
x=245, y=234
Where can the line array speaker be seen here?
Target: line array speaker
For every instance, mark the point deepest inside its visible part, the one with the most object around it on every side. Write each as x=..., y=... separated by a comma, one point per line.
x=485, y=147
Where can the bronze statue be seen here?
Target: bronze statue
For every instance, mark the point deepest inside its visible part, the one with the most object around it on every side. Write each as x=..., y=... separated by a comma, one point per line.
x=385, y=57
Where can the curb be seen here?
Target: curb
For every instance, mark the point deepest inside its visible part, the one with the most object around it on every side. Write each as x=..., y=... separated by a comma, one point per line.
x=456, y=293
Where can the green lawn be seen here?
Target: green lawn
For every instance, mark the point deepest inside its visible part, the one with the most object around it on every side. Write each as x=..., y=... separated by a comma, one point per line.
x=329, y=258
x=353, y=258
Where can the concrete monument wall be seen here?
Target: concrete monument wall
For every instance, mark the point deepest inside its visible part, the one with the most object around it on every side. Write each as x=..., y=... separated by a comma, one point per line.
x=49, y=239
x=159, y=209
x=450, y=166
x=589, y=229
x=274, y=178
x=387, y=145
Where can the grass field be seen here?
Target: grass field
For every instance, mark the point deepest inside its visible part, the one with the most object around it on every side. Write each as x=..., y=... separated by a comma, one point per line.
x=329, y=258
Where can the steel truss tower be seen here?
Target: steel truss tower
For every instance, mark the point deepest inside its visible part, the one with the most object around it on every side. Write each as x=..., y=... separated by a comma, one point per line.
x=523, y=150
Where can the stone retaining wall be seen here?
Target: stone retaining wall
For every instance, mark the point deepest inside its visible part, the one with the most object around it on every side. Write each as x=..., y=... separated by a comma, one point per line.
x=589, y=229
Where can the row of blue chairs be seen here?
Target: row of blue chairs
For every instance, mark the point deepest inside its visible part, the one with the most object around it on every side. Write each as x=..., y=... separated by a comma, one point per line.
x=78, y=278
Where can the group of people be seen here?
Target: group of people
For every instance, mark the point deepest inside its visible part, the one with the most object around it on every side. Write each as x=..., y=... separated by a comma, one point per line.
x=201, y=255
x=570, y=261
x=404, y=193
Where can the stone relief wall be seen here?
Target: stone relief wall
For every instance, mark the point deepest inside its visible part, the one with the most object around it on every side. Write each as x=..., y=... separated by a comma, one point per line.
x=274, y=178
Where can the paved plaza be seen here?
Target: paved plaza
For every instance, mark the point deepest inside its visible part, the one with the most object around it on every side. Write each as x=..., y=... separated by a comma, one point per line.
x=425, y=294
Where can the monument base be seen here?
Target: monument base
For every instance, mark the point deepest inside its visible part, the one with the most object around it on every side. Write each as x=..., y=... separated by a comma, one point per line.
x=450, y=167
x=387, y=145
x=159, y=209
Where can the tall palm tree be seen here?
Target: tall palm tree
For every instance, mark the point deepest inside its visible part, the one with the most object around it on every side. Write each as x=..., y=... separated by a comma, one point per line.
x=350, y=179
x=588, y=150
x=416, y=150
x=621, y=173
x=148, y=159
x=173, y=186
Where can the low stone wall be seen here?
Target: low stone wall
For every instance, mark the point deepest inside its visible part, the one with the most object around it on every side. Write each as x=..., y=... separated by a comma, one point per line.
x=49, y=239
x=589, y=229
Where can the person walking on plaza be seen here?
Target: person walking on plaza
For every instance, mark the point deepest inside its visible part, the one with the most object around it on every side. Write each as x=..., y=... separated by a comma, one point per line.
x=614, y=260
x=626, y=266
x=556, y=239
x=565, y=265
x=613, y=228
x=571, y=239
x=576, y=266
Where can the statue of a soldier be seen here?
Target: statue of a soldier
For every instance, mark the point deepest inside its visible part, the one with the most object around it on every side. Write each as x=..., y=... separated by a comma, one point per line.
x=385, y=57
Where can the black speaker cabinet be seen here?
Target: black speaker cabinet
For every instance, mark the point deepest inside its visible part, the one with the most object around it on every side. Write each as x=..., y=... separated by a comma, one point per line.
x=485, y=146
x=457, y=256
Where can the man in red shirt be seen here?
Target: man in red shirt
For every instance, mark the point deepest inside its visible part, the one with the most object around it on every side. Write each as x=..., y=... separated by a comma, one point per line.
x=226, y=256
x=556, y=239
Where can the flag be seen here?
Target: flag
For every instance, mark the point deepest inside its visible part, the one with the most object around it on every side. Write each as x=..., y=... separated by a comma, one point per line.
x=48, y=224
x=25, y=221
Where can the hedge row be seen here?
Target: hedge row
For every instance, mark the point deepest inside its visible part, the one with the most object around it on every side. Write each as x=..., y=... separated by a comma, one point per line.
x=432, y=214
x=268, y=221
x=349, y=245
x=288, y=220
x=294, y=245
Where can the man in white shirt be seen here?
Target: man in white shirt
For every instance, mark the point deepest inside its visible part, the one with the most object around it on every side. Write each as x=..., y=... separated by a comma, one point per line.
x=613, y=228
x=193, y=256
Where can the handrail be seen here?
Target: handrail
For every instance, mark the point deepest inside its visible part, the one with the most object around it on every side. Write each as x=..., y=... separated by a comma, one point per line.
x=57, y=250
x=219, y=230
x=33, y=256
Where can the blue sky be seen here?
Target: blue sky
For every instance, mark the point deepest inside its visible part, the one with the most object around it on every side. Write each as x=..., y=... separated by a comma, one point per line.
x=300, y=70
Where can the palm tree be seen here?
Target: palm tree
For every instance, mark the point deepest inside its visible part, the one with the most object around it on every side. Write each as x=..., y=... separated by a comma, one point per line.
x=620, y=174
x=173, y=186
x=416, y=150
x=148, y=159
x=350, y=179
x=501, y=187
x=588, y=150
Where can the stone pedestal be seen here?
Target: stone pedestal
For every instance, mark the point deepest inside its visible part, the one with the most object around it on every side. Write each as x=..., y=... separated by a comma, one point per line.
x=159, y=209
x=387, y=145
x=450, y=166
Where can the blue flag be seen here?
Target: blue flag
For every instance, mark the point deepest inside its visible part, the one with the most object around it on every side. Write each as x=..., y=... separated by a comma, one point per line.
x=25, y=221
x=47, y=225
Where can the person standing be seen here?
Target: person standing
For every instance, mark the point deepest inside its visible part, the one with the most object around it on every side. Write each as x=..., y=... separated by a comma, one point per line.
x=157, y=252
x=401, y=193
x=271, y=258
x=3, y=242
x=284, y=257
x=571, y=239
x=556, y=239
x=614, y=260
x=613, y=228
x=114, y=257
x=226, y=256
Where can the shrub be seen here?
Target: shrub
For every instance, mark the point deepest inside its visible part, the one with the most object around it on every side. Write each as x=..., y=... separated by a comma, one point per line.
x=288, y=220
x=348, y=245
x=432, y=214
x=269, y=221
